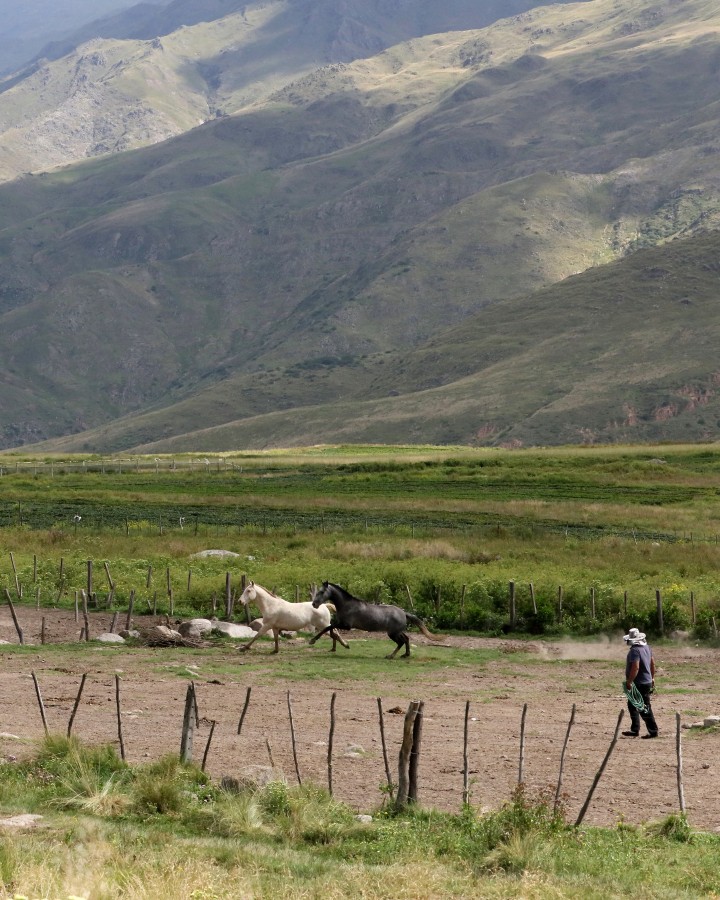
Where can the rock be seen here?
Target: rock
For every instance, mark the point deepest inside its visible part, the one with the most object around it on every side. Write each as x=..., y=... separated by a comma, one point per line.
x=165, y=631
x=26, y=820
x=366, y=820
x=258, y=776
x=230, y=629
x=711, y=721
x=131, y=633
x=203, y=554
x=354, y=751
x=110, y=638
x=195, y=628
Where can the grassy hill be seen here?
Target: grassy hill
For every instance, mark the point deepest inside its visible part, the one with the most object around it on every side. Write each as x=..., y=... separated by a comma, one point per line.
x=157, y=70
x=390, y=250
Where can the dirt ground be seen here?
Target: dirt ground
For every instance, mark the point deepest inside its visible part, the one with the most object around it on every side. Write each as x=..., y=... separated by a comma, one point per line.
x=639, y=784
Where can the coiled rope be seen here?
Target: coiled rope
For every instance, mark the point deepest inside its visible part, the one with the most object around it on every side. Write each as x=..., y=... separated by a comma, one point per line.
x=635, y=697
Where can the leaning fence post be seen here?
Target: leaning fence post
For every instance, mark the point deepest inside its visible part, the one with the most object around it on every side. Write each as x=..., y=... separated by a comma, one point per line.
x=600, y=771
x=244, y=710
x=658, y=600
x=77, y=703
x=40, y=702
x=562, y=758
x=21, y=636
x=207, y=746
x=292, y=738
x=388, y=776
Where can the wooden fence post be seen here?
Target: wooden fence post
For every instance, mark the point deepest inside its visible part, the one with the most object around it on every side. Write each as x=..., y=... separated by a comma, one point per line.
x=77, y=703
x=292, y=738
x=244, y=710
x=521, y=765
x=330, y=743
x=40, y=702
x=678, y=750
x=562, y=758
x=21, y=636
x=401, y=800
x=119, y=718
x=415, y=755
x=188, y=729
x=658, y=599
x=597, y=778
x=466, y=769
x=207, y=746
x=388, y=776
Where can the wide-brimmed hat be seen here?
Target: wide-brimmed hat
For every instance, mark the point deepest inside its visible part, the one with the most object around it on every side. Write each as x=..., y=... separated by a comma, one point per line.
x=634, y=636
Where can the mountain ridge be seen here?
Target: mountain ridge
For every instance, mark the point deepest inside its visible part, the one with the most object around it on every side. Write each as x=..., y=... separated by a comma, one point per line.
x=313, y=247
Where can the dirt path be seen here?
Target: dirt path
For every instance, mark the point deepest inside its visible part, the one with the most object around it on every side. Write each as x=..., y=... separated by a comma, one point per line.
x=639, y=784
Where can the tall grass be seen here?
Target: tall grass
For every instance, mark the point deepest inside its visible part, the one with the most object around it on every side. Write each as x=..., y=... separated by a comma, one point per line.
x=190, y=838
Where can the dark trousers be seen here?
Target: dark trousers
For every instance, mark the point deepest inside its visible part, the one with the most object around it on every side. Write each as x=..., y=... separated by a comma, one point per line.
x=647, y=717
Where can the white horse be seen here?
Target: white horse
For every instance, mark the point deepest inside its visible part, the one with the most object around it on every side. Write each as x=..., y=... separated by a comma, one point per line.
x=279, y=615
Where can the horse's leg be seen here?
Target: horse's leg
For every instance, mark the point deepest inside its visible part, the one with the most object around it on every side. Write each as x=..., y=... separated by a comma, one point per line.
x=406, y=637
x=336, y=635
x=320, y=634
x=399, y=639
x=263, y=630
x=276, y=635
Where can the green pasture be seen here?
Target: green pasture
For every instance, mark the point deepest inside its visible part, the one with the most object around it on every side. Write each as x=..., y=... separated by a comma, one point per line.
x=587, y=536
x=164, y=830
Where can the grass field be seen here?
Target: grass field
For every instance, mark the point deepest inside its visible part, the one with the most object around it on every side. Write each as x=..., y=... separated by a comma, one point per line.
x=447, y=529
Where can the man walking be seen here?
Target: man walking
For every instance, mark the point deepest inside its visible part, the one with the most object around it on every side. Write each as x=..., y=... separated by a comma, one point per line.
x=639, y=674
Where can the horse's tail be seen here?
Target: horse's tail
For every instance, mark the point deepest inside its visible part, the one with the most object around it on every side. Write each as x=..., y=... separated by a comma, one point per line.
x=331, y=607
x=414, y=620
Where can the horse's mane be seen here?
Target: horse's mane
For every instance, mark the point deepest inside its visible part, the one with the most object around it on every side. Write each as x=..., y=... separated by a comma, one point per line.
x=346, y=594
x=277, y=596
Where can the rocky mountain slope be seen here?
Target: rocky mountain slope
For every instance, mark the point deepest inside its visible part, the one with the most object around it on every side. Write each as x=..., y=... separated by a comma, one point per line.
x=155, y=70
x=500, y=235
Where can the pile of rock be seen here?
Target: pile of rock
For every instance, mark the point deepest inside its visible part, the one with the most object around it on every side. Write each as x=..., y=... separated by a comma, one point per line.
x=707, y=722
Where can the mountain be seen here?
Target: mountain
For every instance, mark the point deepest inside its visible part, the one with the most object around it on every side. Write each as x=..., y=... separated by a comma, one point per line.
x=155, y=71
x=505, y=235
x=28, y=26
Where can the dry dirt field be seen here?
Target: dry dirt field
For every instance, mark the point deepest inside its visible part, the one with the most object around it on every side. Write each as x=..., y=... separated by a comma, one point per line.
x=640, y=783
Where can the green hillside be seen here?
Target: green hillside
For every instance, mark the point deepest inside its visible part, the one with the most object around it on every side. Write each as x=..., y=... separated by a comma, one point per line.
x=391, y=250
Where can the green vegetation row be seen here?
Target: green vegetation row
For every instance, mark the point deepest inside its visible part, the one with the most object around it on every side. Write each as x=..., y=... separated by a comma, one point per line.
x=165, y=830
x=384, y=522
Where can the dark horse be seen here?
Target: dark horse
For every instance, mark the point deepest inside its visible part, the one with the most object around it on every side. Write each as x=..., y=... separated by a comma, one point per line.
x=351, y=612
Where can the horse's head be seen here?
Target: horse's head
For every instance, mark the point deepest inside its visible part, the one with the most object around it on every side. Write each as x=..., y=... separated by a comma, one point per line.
x=320, y=596
x=249, y=594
